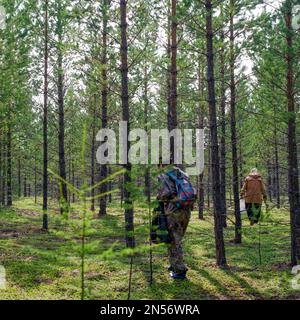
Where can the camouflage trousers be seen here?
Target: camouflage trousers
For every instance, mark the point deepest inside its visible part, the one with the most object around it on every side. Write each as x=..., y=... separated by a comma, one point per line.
x=177, y=225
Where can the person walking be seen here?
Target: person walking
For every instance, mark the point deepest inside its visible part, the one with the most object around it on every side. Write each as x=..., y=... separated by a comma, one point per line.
x=254, y=193
x=177, y=196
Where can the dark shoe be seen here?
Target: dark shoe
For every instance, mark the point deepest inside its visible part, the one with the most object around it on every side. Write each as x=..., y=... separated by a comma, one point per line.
x=252, y=222
x=170, y=268
x=180, y=276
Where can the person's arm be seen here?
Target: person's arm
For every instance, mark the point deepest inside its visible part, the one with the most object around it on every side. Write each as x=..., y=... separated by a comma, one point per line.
x=263, y=190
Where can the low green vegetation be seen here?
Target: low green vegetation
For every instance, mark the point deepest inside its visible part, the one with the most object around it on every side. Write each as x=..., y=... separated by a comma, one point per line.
x=46, y=265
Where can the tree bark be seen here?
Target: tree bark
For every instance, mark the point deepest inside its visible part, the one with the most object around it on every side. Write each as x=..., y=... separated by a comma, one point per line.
x=104, y=93
x=200, y=183
x=172, y=116
x=45, y=124
x=93, y=155
x=3, y=170
x=2, y=201
x=223, y=134
x=276, y=165
x=235, y=170
x=218, y=221
x=293, y=171
x=147, y=177
x=129, y=217
x=19, y=178
x=9, y=161
x=61, y=114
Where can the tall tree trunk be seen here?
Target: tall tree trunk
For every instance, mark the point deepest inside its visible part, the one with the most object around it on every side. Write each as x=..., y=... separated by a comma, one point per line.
x=45, y=124
x=93, y=155
x=103, y=168
x=218, y=221
x=276, y=165
x=73, y=179
x=9, y=161
x=208, y=173
x=19, y=178
x=129, y=217
x=293, y=171
x=172, y=116
x=235, y=170
x=147, y=177
x=35, y=179
x=169, y=67
x=270, y=195
x=201, y=126
x=25, y=186
x=223, y=134
x=61, y=113
x=3, y=170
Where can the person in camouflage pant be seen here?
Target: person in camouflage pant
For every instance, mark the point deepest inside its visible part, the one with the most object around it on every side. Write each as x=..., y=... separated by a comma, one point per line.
x=177, y=220
x=177, y=225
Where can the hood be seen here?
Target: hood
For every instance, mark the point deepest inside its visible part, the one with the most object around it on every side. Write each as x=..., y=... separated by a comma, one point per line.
x=256, y=176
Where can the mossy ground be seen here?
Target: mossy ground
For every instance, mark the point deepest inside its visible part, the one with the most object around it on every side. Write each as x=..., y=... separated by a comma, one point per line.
x=46, y=265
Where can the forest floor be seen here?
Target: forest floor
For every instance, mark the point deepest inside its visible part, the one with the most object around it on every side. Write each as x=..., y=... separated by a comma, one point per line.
x=46, y=265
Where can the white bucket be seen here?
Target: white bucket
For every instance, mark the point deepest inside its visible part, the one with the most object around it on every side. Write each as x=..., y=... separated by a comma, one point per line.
x=242, y=205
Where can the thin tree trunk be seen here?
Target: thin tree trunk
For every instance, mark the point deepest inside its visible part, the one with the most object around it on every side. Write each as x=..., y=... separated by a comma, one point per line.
x=235, y=171
x=9, y=161
x=35, y=179
x=104, y=93
x=129, y=217
x=93, y=154
x=19, y=178
x=3, y=169
x=173, y=86
x=200, y=197
x=223, y=135
x=25, y=187
x=169, y=67
x=201, y=126
x=208, y=174
x=45, y=124
x=147, y=177
x=73, y=179
x=276, y=165
x=270, y=195
x=293, y=171
x=61, y=114
x=218, y=221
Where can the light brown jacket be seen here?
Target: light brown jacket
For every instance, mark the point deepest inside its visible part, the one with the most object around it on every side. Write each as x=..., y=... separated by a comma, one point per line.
x=254, y=190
